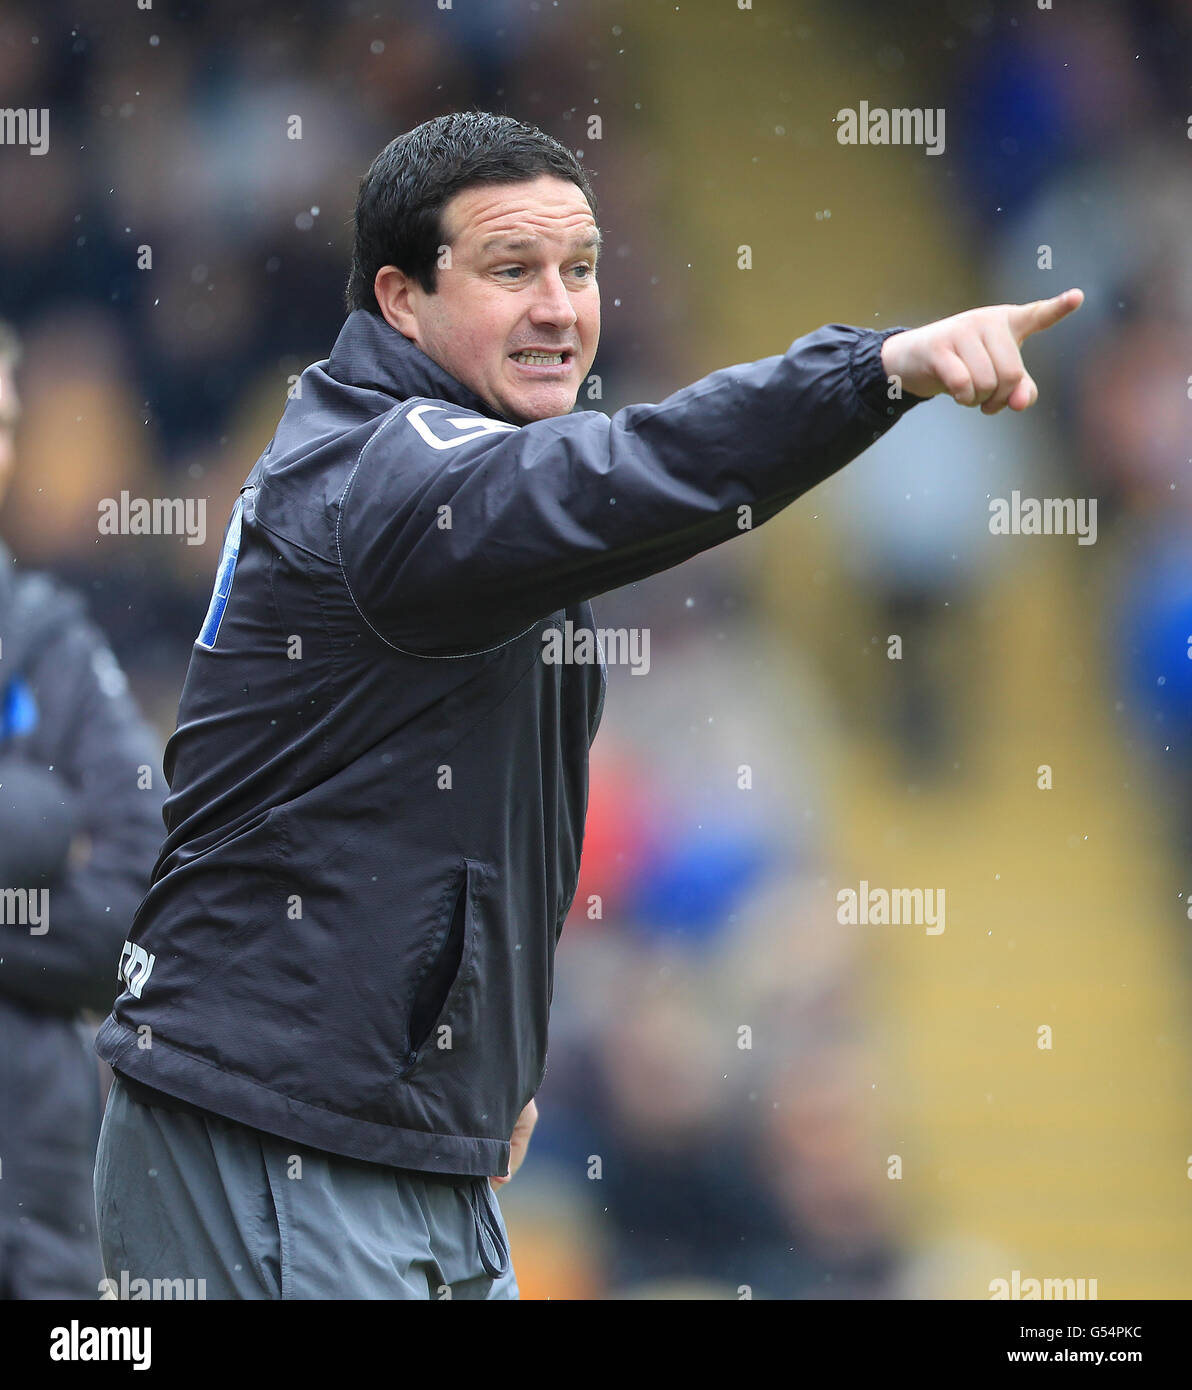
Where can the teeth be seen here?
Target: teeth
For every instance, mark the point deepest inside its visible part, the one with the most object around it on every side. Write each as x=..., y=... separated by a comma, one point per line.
x=531, y=358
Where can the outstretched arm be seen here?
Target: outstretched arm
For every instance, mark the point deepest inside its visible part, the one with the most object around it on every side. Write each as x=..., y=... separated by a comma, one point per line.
x=457, y=532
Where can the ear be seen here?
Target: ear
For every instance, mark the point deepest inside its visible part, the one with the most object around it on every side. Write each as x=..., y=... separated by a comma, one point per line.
x=394, y=290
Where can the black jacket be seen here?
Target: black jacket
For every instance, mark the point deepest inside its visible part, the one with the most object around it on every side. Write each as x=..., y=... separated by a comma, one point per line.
x=78, y=767
x=378, y=784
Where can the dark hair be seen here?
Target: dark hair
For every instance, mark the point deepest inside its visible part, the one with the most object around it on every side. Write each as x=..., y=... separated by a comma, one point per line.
x=401, y=199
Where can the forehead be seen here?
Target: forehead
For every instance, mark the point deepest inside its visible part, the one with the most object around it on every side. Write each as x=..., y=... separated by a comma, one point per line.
x=548, y=208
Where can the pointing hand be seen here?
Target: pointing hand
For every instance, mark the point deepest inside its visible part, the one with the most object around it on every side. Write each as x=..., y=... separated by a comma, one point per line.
x=974, y=357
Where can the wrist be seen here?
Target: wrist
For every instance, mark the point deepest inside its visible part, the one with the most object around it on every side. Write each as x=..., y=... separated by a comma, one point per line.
x=898, y=367
x=875, y=359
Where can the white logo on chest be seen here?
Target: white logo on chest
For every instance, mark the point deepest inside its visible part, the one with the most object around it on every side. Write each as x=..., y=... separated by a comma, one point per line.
x=464, y=427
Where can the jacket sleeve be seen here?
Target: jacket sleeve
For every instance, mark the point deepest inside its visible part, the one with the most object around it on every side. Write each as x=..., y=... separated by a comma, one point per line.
x=457, y=532
x=95, y=794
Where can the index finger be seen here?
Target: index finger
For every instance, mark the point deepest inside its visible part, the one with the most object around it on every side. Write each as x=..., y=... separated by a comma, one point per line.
x=1026, y=319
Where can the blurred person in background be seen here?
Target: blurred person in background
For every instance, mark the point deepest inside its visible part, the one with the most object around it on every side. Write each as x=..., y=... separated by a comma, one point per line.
x=1136, y=444
x=914, y=518
x=80, y=821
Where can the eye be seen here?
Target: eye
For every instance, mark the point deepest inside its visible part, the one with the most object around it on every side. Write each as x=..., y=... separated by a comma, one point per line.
x=584, y=265
x=510, y=270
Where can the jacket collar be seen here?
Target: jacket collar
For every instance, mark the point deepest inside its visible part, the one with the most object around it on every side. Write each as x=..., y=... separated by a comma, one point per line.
x=369, y=353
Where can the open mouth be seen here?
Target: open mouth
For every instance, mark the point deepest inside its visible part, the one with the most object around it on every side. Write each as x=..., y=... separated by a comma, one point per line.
x=533, y=359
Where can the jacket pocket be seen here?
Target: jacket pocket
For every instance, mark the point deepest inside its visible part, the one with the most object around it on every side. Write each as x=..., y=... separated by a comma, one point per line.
x=429, y=1026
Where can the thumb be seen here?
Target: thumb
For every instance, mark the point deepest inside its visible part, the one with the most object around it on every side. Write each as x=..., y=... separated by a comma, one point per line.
x=1025, y=319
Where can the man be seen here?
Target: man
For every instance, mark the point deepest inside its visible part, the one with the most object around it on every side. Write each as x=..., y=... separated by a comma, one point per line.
x=379, y=777
x=80, y=821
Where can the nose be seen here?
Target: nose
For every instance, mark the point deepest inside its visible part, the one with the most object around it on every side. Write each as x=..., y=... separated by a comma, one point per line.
x=552, y=303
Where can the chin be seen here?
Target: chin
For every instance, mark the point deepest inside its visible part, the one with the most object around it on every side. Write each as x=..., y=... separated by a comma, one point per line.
x=549, y=409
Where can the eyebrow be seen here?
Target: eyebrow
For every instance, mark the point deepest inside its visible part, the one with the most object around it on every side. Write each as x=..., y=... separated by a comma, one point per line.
x=500, y=241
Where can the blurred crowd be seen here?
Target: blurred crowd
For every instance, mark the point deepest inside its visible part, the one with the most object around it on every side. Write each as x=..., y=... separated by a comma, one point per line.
x=697, y=1128
x=182, y=250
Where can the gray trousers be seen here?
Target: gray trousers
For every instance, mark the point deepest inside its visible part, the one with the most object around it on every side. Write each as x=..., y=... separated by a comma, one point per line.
x=182, y=1198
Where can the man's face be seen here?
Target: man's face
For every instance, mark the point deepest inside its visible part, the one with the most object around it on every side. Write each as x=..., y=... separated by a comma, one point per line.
x=9, y=411
x=522, y=275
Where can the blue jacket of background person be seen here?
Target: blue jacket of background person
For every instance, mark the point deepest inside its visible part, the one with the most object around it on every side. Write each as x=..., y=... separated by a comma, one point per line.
x=80, y=823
